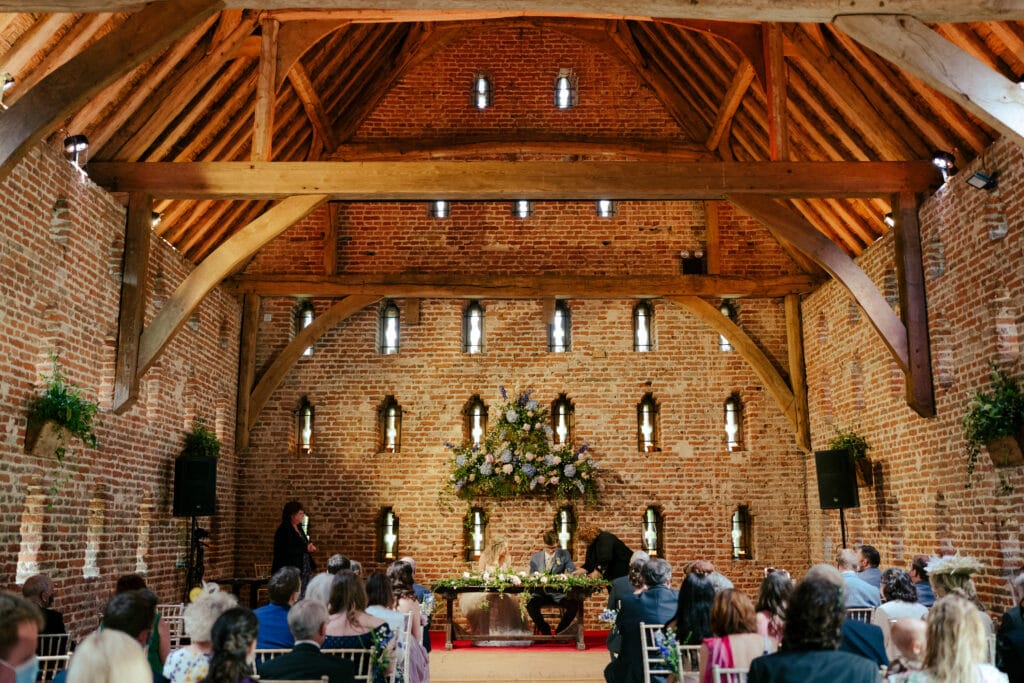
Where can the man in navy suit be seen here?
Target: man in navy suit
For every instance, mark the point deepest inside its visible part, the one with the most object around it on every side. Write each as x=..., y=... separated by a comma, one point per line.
x=814, y=618
x=273, y=618
x=307, y=620
x=656, y=605
x=553, y=559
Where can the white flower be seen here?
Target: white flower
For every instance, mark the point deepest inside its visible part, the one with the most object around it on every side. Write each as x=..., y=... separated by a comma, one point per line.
x=465, y=575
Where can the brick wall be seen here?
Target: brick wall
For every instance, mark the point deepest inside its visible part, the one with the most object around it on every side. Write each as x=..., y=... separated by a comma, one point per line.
x=61, y=245
x=973, y=275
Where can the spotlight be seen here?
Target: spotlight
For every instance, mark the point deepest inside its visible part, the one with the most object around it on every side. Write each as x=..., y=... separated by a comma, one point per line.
x=982, y=181
x=890, y=220
x=945, y=162
x=155, y=218
x=74, y=147
x=6, y=83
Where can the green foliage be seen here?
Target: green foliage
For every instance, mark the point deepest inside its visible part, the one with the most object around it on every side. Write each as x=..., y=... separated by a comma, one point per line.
x=504, y=580
x=64, y=403
x=516, y=457
x=992, y=414
x=847, y=438
x=201, y=440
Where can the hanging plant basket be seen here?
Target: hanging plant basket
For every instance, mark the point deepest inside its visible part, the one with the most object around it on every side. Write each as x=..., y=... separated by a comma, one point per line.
x=1005, y=451
x=44, y=438
x=865, y=471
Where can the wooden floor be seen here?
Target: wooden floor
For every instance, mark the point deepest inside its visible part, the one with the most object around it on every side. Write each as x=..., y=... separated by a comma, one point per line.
x=512, y=665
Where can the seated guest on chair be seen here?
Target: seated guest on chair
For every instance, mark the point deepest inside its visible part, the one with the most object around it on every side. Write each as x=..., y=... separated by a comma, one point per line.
x=910, y=638
x=656, y=605
x=919, y=576
x=109, y=656
x=273, y=629
x=307, y=620
x=421, y=593
x=856, y=591
x=814, y=619
x=900, y=601
x=192, y=662
x=20, y=622
x=234, y=647
x=868, y=560
x=38, y=590
x=858, y=637
x=631, y=584
x=736, y=642
x=552, y=560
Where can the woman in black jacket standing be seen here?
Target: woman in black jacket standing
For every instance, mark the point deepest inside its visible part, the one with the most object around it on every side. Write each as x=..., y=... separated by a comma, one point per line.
x=291, y=545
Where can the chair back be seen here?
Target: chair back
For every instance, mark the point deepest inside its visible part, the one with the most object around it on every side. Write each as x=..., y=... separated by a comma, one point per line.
x=261, y=570
x=655, y=663
x=689, y=658
x=322, y=679
x=176, y=629
x=171, y=609
x=398, y=672
x=991, y=638
x=50, y=644
x=860, y=613
x=361, y=659
x=267, y=654
x=722, y=674
x=49, y=665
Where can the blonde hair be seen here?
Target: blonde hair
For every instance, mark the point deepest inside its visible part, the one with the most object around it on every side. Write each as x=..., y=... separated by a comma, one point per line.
x=956, y=640
x=496, y=556
x=109, y=657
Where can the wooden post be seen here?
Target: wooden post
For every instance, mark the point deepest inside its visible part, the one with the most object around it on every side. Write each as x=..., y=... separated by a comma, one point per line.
x=246, y=367
x=913, y=305
x=714, y=252
x=797, y=376
x=266, y=93
x=775, y=64
x=131, y=318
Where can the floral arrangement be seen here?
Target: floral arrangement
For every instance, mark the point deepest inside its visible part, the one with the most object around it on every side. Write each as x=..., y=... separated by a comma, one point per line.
x=426, y=608
x=503, y=580
x=380, y=653
x=668, y=648
x=516, y=457
x=608, y=616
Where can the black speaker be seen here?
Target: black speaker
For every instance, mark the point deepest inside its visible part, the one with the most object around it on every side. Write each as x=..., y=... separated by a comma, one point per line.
x=195, y=486
x=837, y=480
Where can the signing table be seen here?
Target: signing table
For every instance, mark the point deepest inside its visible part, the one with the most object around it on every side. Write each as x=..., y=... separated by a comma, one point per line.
x=576, y=587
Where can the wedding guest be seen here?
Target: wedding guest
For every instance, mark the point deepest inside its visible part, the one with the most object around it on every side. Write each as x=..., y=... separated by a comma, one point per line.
x=736, y=641
x=692, y=620
x=900, y=601
x=655, y=605
x=337, y=563
x=952, y=573
x=422, y=593
x=319, y=588
x=919, y=575
x=1010, y=642
x=380, y=601
x=20, y=621
x=868, y=560
x=234, y=645
x=606, y=557
x=292, y=548
x=552, y=559
x=357, y=567
x=159, y=644
x=109, y=656
x=307, y=620
x=191, y=663
x=400, y=574
x=631, y=584
x=39, y=590
x=856, y=637
x=349, y=626
x=771, y=604
x=857, y=592
x=273, y=617
x=910, y=637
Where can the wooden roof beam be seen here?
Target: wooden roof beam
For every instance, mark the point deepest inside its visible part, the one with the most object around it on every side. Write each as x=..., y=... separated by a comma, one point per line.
x=730, y=104
x=306, y=93
x=495, y=180
x=914, y=47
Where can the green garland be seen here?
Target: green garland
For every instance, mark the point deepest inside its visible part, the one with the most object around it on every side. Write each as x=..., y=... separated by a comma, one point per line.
x=502, y=581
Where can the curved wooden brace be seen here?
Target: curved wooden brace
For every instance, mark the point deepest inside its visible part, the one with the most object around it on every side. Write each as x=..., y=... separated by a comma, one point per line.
x=746, y=38
x=773, y=380
x=285, y=360
x=791, y=228
x=43, y=108
x=295, y=38
x=215, y=267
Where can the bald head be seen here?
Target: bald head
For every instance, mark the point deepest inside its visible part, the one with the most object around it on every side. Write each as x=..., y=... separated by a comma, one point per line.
x=910, y=637
x=825, y=572
x=847, y=559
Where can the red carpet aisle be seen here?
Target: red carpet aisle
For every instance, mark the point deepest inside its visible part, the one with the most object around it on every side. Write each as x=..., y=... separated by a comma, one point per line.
x=558, y=663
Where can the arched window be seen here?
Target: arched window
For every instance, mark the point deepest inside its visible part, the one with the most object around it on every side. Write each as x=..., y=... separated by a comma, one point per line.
x=563, y=421
x=473, y=328
x=652, y=532
x=387, y=535
x=741, y=534
x=390, y=415
x=605, y=208
x=440, y=208
x=304, y=426
x=522, y=209
x=483, y=90
x=565, y=527
x=648, y=433
x=560, y=329
x=733, y=423
x=304, y=315
x=566, y=89
x=475, y=420
x=389, y=324
x=643, y=317
x=728, y=309
x=475, y=533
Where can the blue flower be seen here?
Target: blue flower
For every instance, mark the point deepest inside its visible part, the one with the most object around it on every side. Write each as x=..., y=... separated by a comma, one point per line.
x=570, y=470
x=532, y=404
x=506, y=456
x=579, y=485
x=486, y=469
x=529, y=470
x=449, y=445
x=504, y=395
x=511, y=415
x=460, y=461
x=582, y=449
x=458, y=485
x=549, y=460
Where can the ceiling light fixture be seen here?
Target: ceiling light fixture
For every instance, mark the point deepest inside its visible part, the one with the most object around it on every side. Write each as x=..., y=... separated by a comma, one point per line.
x=945, y=162
x=890, y=220
x=75, y=147
x=6, y=83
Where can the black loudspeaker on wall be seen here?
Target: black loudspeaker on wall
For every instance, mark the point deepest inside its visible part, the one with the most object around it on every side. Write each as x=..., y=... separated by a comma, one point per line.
x=195, y=486
x=837, y=480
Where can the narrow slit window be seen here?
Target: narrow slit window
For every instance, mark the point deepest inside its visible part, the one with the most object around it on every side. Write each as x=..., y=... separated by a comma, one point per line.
x=741, y=546
x=440, y=208
x=566, y=89
x=734, y=423
x=565, y=527
x=475, y=526
x=304, y=315
x=652, y=532
x=560, y=329
x=391, y=425
x=387, y=535
x=562, y=421
x=606, y=208
x=642, y=327
x=473, y=328
x=522, y=209
x=475, y=420
x=647, y=425
x=389, y=329
x=728, y=309
x=304, y=426
x=483, y=90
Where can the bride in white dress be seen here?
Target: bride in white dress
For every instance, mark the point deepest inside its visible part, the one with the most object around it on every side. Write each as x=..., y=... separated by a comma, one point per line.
x=495, y=613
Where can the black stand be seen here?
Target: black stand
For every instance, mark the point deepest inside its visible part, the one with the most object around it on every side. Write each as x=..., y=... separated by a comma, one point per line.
x=842, y=525
x=196, y=558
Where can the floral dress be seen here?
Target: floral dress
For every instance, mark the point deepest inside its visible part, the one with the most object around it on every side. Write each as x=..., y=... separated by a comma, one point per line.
x=185, y=666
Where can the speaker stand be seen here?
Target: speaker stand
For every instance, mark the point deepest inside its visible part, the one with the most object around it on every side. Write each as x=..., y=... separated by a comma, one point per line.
x=842, y=525
x=196, y=558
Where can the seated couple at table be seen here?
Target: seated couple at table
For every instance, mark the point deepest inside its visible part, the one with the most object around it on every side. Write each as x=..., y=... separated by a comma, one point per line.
x=500, y=614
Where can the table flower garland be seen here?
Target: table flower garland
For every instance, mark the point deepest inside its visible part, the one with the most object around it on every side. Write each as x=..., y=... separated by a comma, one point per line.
x=517, y=457
x=500, y=581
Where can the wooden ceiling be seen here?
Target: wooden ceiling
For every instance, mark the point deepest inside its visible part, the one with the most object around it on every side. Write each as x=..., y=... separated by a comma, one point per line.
x=272, y=84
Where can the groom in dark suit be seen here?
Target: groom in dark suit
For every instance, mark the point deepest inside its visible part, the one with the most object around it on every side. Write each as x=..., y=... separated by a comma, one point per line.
x=553, y=559
x=307, y=620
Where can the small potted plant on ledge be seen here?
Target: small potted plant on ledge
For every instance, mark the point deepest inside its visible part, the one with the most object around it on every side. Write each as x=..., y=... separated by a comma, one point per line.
x=995, y=420
x=60, y=411
x=201, y=441
x=848, y=439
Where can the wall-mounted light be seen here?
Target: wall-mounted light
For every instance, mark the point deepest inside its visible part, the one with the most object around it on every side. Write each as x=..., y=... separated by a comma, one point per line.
x=440, y=208
x=567, y=94
x=6, y=83
x=606, y=208
x=521, y=208
x=693, y=262
x=155, y=219
x=890, y=220
x=982, y=181
x=945, y=162
x=387, y=535
x=75, y=147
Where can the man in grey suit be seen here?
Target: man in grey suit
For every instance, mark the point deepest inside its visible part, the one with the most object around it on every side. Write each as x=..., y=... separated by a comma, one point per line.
x=553, y=559
x=857, y=593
